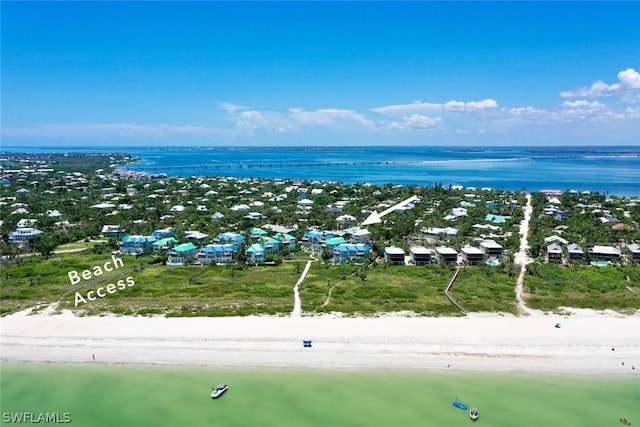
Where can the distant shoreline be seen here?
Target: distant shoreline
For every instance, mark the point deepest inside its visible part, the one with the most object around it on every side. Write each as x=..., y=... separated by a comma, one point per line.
x=496, y=167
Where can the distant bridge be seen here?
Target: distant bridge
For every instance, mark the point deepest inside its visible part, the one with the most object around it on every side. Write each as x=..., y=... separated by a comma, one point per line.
x=267, y=165
x=264, y=165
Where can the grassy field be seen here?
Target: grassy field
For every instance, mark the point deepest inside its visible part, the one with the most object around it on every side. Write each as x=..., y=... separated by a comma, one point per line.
x=583, y=287
x=111, y=395
x=220, y=291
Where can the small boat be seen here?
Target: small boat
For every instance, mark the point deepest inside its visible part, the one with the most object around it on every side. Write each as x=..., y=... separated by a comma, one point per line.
x=473, y=413
x=218, y=390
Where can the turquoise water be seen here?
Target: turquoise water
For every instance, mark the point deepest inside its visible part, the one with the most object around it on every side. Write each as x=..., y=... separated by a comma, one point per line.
x=118, y=395
x=604, y=169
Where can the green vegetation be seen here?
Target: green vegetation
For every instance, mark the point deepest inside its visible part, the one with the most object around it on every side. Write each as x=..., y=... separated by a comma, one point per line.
x=485, y=289
x=551, y=286
x=416, y=289
x=35, y=272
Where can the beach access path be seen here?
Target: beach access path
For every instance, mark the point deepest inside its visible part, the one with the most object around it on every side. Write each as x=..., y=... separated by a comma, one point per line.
x=522, y=259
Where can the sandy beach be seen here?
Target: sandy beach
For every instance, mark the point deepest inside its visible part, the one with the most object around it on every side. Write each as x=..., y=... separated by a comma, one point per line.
x=586, y=342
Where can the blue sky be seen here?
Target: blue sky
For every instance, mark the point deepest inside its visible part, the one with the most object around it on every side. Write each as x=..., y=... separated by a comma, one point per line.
x=304, y=73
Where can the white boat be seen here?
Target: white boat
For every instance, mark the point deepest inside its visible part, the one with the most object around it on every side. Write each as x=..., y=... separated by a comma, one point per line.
x=473, y=413
x=218, y=390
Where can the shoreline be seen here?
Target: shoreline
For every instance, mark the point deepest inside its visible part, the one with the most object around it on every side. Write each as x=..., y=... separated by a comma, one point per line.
x=587, y=342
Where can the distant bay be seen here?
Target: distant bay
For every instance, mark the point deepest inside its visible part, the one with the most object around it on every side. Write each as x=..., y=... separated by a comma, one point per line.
x=613, y=170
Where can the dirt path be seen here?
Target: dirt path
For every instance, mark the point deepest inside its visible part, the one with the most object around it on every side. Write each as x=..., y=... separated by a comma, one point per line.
x=522, y=259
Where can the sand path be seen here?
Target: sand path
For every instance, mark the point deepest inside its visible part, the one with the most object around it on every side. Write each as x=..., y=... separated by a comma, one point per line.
x=297, y=302
x=522, y=259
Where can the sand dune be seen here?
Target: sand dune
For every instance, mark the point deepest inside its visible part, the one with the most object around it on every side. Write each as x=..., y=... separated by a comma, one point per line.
x=586, y=342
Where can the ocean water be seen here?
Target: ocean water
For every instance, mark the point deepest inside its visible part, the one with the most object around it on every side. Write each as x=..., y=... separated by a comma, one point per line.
x=119, y=395
x=613, y=170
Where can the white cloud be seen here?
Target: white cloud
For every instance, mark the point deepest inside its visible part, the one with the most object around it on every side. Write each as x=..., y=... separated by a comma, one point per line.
x=584, y=104
x=416, y=121
x=230, y=107
x=250, y=121
x=628, y=87
x=632, y=112
x=418, y=107
x=629, y=78
x=327, y=117
x=460, y=106
x=415, y=106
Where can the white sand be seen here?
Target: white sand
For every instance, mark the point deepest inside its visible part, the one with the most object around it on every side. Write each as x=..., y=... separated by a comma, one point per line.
x=491, y=342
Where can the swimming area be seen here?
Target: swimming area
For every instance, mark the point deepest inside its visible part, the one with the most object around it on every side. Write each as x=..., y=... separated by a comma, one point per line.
x=135, y=395
x=614, y=170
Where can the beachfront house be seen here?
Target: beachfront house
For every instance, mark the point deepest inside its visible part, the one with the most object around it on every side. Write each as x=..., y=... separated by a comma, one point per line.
x=394, y=255
x=575, y=252
x=491, y=249
x=604, y=253
x=634, y=251
x=286, y=240
x=182, y=254
x=446, y=255
x=136, y=244
x=472, y=255
x=217, y=253
x=256, y=253
x=334, y=241
x=269, y=244
x=420, y=255
x=24, y=234
x=554, y=253
x=346, y=252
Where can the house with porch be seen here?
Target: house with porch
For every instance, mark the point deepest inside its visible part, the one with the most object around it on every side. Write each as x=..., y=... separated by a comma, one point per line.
x=574, y=251
x=420, y=255
x=182, y=254
x=394, y=255
x=554, y=253
x=604, y=253
x=269, y=244
x=286, y=240
x=137, y=244
x=334, y=241
x=217, y=253
x=256, y=253
x=446, y=255
x=634, y=251
x=491, y=249
x=472, y=255
x=346, y=252
x=24, y=234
